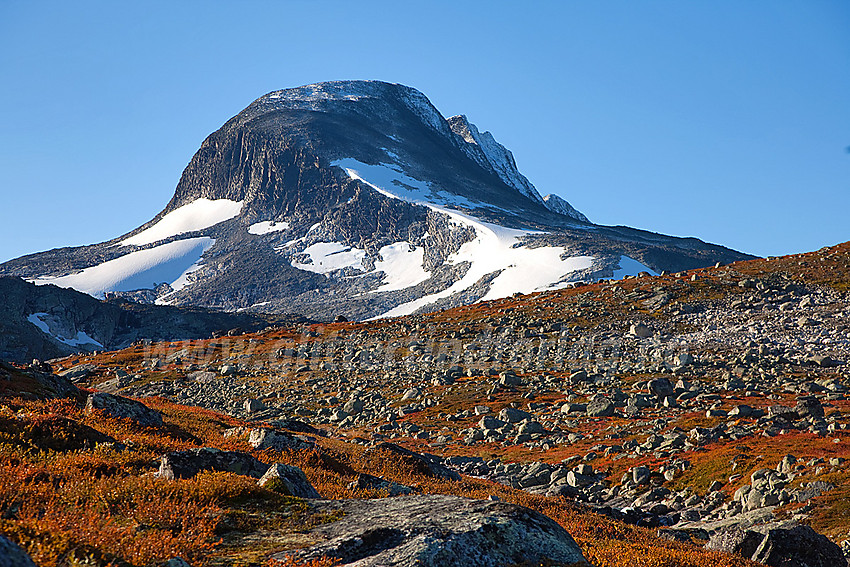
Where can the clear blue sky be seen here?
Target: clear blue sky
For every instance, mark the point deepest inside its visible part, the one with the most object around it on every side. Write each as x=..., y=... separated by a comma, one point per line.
x=725, y=120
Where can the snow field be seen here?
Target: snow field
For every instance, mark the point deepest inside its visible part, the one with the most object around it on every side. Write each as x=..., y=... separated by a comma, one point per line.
x=168, y=263
x=197, y=215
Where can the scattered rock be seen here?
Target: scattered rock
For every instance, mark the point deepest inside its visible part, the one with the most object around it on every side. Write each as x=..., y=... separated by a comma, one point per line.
x=186, y=464
x=125, y=408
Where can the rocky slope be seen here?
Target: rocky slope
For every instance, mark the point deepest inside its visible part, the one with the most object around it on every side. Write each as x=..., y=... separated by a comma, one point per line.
x=696, y=418
x=45, y=322
x=355, y=198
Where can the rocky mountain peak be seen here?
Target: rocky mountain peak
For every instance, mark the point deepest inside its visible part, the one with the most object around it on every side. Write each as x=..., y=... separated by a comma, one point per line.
x=355, y=198
x=484, y=149
x=558, y=205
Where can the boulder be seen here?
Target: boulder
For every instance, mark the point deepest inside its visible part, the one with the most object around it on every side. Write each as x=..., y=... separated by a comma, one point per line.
x=600, y=407
x=661, y=388
x=640, y=330
x=530, y=427
x=271, y=439
x=125, y=408
x=809, y=406
x=253, y=405
x=11, y=554
x=735, y=542
x=369, y=482
x=514, y=415
x=489, y=422
x=288, y=480
x=186, y=464
x=438, y=530
x=79, y=372
x=798, y=546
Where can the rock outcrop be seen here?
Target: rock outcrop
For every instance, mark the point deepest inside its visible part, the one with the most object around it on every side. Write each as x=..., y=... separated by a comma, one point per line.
x=439, y=530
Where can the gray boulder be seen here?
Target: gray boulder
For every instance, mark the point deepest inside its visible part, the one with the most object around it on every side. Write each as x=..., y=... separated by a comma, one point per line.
x=600, y=407
x=11, y=554
x=125, y=408
x=271, y=439
x=799, y=546
x=661, y=388
x=79, y=372
x=640, y=330
x=288, y=480
x=186, y=464
x=809, y=406
x=514, y=415
x=369, y=482
x=439, y=530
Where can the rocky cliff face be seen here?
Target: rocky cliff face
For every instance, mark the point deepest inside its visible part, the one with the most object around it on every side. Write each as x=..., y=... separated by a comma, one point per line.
x=45, y=322
x=355, y=198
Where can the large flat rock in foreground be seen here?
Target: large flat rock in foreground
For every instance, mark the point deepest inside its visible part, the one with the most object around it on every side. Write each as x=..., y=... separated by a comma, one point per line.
x=439, y=530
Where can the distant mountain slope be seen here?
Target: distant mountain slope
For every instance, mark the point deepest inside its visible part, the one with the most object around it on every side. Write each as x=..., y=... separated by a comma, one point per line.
x=355, y=198
x=44, y=322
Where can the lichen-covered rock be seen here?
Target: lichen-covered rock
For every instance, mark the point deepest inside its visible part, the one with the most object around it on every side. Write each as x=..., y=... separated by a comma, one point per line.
x=272, y=439
x=288, y=480
x=11, y=554
x=439, y=530
x=798, y=546
x=117, y=406
x=369, y=482
x=186, y=464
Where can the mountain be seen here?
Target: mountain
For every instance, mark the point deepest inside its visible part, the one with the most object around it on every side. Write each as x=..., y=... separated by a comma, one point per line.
x=45, y=322
x=355, y=198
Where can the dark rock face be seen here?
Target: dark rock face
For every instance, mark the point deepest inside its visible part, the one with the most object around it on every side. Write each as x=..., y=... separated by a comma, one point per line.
x=124, y=408
x=285, y=159
x=799, y=546
x=11, y=554
x=186, y=464
x=112, y=324
x=438, y=530
x=42, y=385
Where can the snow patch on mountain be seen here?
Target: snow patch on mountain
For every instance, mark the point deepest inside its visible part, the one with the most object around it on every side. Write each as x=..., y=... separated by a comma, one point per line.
x=631, y=267
x=494, y=249
x=499, y=249
x=267, y=227
x=327, y=257
x=199, y=214
x=402, y=265
x=52, y=327
x=168, y=263
x=390, y=181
